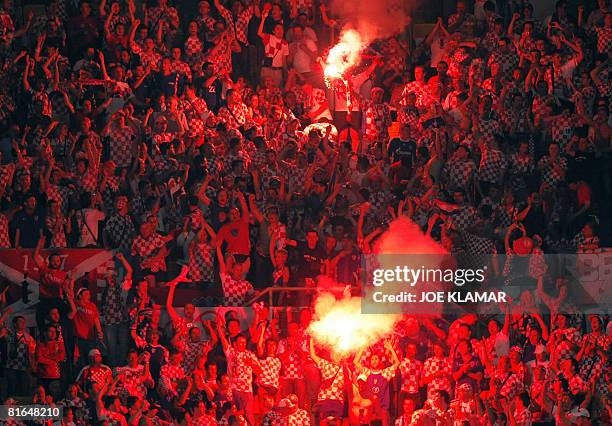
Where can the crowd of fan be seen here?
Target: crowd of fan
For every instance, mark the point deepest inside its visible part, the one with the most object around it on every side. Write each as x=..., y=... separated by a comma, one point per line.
x=208, y=139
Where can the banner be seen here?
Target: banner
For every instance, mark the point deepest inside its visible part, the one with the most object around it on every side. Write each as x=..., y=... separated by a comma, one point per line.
x=92, y=265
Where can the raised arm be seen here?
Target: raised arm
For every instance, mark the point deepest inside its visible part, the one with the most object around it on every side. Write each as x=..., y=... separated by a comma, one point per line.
x=260, y=339
x=507, y=237
x=221, y=259
x=243, y=206
x=103, y=66
x=391, y=350
x=357, y=361
x=170, y=299
x=264, y=16
x=26, y=71
x=255, y=210
x=575, y=47
x=549, y=301
x=127, y=279
x=36, y=256
x=312, y=351
x=221, y=333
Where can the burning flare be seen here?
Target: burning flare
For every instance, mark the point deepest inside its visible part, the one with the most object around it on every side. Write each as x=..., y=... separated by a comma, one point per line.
x=340, y=326
x=339, y=323
x=344, y=55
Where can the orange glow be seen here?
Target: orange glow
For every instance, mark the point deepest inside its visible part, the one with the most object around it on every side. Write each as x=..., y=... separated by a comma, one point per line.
x=341, y=327
x=344, y=55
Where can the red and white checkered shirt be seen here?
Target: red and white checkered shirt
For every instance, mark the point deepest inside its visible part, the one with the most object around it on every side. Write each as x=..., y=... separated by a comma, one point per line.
x=19, y=348
x=235, y=292
x=193, y=46
x=240, y=369
x=466, y=27
x=181, y=67
x=292, y=364
x=148, y=59
x=331, y=372
x=201, y=262
x=459, y=173
x=275, y=48
x=146, y=248
x=377, y=121
x=169, y=377
x=488, y=127
x=552, y=171
x=270, y=372
x=89, y=180
x=132, y=382
x=234, y=116
x=204, y=420
x=194, y=108
x=158, y=13
x=562, y=131
x=604, y=39
x=507, y=61
x=411, y=371
x=122, y=145
x=299, y=418
x=433, y=365
x=541, y=108
x=273, y=418
x=522, y=417
x=240, y=25
x=421, y=91
x=98, y=374
x=221, y=56
x=5, y=242
x=512, y=386
x=492, y=165
x=192, y=352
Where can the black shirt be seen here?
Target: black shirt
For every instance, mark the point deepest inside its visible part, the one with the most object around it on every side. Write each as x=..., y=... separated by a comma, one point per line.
x=399, y=148
x=308, y=261
x=29, y=226
x=167, y=83
x=211, y=93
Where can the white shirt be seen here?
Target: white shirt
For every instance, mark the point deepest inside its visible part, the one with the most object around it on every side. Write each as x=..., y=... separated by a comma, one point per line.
x=88, y=230
x=302, y=62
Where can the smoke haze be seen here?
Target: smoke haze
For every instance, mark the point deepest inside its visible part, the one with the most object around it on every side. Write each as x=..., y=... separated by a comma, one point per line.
x=373, y=19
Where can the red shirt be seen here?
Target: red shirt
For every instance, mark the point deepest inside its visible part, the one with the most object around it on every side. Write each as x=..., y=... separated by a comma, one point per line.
x=236, y=235
x=51, y=281
x=84, y=321
x=49, y=355
x=583, y=193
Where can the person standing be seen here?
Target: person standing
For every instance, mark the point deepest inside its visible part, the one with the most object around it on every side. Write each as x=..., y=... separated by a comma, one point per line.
x=52, y=281
x=276, y=50
x=86, y=319
x=241, y=363
x=50, y=353
x=20, y=360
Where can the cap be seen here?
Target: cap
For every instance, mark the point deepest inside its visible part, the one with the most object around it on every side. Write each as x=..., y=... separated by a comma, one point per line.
x=522, y=246
x=95, y=352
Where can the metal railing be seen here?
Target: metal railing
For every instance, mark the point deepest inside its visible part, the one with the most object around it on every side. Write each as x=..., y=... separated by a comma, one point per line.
x=271, y=291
